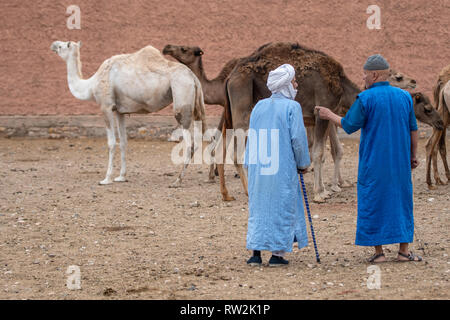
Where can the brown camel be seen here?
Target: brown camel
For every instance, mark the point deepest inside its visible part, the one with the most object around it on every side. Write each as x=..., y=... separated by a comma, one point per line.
x=441, y=94
x=322, y=81
x=214, y=93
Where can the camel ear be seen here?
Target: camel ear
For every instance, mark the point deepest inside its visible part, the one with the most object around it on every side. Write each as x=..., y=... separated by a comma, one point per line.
x=198, y=52
x=79, y=44
x=417, y=97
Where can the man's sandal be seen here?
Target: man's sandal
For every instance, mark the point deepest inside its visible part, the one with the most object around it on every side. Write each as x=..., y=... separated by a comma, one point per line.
x=410, y=256
x=375, y=257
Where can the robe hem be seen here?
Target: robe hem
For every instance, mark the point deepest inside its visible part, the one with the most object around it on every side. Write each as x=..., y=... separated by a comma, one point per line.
x=383, y=242
x=271, y=249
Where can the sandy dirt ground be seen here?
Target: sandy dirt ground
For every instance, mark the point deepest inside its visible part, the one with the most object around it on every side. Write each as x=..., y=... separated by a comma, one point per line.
x=143, y=240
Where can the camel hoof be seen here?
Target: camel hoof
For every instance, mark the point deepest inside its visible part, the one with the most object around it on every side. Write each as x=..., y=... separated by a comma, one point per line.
x=176, y=184
x=345, y=184
x=106, y=181
x=440, y=182
x=325, y=194
x=336, y=188
x=432, y=187
x=210, y=180
x=120, y=179
x=318, y=199
x=228, y=198
x=173, y=139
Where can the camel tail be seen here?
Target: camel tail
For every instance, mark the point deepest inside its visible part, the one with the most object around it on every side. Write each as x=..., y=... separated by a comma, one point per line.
x=228, y=121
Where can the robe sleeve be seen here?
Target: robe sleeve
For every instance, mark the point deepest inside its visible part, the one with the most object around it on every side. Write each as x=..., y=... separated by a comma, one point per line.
x=299, y=139
x=355, y=118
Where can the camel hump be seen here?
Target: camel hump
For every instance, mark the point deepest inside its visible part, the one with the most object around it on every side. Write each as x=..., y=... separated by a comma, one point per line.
x=303, y=59
x=147, y=59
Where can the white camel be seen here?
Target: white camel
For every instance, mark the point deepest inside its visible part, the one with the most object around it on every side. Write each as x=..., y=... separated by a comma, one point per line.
x=141, y=82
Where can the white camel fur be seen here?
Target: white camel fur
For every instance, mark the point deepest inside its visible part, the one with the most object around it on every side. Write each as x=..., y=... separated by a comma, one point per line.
x=141, y=82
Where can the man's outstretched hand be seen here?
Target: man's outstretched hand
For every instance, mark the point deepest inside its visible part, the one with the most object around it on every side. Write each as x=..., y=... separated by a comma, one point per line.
x=327, y=114
x=323, y=113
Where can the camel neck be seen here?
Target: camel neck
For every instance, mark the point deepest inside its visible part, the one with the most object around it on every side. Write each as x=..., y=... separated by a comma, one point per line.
x=212, y=89
x=80, y=88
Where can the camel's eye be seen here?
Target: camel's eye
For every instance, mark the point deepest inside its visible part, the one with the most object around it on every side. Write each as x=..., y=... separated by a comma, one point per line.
x=183, y=50
x=427, y=111
x=399, y=78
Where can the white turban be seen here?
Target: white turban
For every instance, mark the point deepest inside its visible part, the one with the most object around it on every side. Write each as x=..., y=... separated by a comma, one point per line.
x=280, y=81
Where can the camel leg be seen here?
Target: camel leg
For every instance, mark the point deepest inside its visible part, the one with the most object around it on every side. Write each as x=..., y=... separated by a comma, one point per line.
x=221, y=167
x=109, y=121
x=320, y=133
x=240, y=94
x=238, y=160
x=243, y=175
x=213, y=168
x=434, y=158
x=123, y=146
x=336, y=153
x=310, y=136
x=187, y=157
x=183, y=104
x=443, y=152
x=430, y=146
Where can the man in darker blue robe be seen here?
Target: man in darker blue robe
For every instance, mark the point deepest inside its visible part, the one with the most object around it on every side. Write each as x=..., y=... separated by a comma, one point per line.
x=387, y=153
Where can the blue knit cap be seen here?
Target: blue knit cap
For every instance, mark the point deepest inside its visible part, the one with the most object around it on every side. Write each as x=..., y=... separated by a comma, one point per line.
x=376, y=62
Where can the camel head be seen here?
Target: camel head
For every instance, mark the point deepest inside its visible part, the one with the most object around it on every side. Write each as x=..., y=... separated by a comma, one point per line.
x=399, y=80
x=425, y=112
x=184, y=54
x=66, y=49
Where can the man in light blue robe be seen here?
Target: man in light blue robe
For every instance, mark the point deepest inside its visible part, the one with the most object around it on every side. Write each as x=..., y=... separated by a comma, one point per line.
x=387, y=154
x=276, y=149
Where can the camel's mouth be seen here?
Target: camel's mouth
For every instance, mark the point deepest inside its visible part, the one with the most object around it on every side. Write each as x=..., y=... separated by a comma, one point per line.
x=439, y=125
x=167, y=49
x=54, y=47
